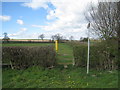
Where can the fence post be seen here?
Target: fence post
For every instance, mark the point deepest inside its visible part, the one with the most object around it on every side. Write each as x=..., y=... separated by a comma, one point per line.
x=88, y=48
x=56, y=45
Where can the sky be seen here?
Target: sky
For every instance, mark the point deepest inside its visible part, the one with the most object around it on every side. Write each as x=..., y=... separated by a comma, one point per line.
x=27, y=20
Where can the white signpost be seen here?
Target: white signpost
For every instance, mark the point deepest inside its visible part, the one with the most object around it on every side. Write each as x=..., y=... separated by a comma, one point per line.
x=88, y=48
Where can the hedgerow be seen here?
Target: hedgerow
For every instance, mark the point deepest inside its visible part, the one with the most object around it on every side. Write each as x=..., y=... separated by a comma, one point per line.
x=103, y=55
x=24, y=57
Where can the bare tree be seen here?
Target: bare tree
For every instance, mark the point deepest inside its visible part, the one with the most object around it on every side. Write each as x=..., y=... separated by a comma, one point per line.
x=52, y=37
x=41, y=36
x=58, y=37
x=71, y=38
x=104, y=19
x=118, y=20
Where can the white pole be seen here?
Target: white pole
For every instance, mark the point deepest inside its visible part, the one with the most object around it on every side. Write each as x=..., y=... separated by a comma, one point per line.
x=88, y=50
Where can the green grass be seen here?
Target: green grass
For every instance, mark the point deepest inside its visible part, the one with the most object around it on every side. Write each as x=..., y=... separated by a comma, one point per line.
x=27, y=44
x=36, y=77
x=65, y=53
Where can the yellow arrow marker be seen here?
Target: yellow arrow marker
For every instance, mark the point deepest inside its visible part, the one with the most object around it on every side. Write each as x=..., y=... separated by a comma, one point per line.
x=56, y=45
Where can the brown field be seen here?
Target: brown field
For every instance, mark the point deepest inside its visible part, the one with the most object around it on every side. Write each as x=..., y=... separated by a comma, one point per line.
x=30, y=40
x=26, y=40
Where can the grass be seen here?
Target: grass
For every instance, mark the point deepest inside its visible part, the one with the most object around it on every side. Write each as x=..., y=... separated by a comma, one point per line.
x=27, y=44
x=65, y=53
x=36, y=77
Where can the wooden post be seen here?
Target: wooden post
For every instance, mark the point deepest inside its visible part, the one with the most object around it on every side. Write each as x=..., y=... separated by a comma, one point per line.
x=56, y=45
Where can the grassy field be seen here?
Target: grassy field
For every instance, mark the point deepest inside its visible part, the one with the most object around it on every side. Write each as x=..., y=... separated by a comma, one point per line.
x=27, y=44
x=58, y=77
x=36, y=77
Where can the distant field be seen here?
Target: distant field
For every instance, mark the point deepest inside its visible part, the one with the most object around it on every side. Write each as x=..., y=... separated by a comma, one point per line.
x=27, y=44
x=29, y=40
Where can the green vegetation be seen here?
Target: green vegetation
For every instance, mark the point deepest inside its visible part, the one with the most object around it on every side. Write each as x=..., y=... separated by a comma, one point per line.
x=36, y=77
x=23, y=57
x=58, y=77
x=65, y=52
x=103, y=55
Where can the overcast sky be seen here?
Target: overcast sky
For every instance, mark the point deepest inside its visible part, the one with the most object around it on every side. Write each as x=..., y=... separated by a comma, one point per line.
x=27, y=20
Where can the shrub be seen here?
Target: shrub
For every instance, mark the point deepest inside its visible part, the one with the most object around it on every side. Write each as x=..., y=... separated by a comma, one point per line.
x=80, y=54
x=24, y=57
x=103, y=55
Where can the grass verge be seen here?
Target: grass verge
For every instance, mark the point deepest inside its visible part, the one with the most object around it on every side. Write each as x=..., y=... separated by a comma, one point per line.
x=58, y=77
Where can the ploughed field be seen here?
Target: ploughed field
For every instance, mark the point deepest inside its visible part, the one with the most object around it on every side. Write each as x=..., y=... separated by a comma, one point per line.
x=57, y=77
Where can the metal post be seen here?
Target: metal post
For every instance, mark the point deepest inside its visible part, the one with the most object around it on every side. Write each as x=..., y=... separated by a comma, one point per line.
x=88, y=49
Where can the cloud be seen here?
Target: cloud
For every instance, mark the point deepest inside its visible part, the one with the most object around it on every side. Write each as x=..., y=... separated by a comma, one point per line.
x=23, y=29
x=35, y=4
x=38, y=26
x=19, y=33
x=5, y=18
x=67, y=16
x=19, y=21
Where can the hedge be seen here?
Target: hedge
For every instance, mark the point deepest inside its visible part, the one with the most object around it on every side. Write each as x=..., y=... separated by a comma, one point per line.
x=24, y=57
x=103, y=55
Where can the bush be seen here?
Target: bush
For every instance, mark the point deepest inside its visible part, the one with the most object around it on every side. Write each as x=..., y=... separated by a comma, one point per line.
x=80, y=54
x=103, y=55
x=24, y=57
